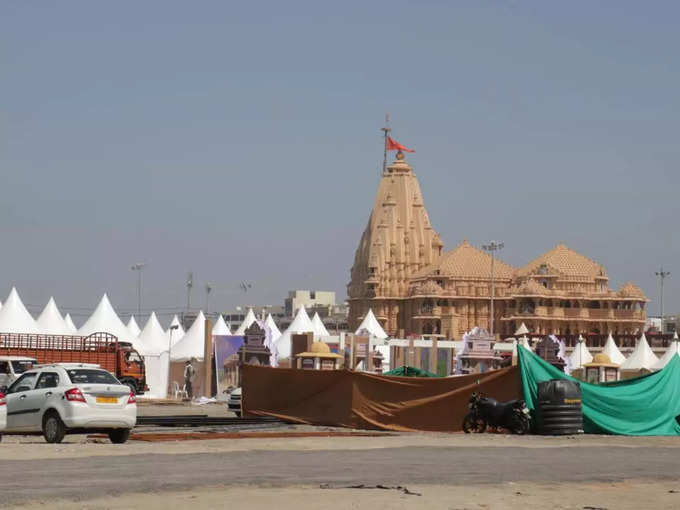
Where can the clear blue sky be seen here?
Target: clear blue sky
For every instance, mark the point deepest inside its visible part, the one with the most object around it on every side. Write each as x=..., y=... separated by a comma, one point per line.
x=241, y=140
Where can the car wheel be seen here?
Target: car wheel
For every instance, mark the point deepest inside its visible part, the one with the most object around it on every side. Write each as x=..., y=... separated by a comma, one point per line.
x=119, y=436
x=53, y=428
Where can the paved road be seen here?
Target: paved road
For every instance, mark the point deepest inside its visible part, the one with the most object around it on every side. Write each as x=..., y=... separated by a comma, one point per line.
x=85, y=478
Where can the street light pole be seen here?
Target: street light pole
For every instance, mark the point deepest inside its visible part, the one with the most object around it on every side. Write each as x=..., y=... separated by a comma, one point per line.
x=492, y=247
x=138, y=267
x=172, y=328
x=208, y=289
x=662, y=276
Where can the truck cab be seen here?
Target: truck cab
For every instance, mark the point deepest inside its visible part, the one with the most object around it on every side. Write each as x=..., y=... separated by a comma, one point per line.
x=131, y=368
x=11, y=367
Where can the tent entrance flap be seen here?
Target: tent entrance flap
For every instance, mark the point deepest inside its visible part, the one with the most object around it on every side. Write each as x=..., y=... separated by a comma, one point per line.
x=644, y=406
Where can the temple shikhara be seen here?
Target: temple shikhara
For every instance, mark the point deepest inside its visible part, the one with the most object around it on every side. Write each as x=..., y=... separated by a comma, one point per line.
x=401, y=272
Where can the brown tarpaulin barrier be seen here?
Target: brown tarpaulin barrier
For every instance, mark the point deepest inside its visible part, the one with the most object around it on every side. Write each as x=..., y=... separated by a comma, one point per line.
x=366, y=401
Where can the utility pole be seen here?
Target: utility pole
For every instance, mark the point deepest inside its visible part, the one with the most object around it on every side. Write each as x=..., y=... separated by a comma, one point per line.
x=208, y=289
x=492, y=247
x=138, y=267
x=190, y=283
x=386, y=131
x=662, y=276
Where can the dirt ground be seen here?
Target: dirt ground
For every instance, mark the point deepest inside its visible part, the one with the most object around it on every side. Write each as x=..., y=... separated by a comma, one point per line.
x=622, y=496
x=447, y=471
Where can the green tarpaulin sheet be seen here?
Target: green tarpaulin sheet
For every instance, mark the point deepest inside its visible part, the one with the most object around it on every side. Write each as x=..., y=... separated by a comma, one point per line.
x=407, y=371
x=644, y=406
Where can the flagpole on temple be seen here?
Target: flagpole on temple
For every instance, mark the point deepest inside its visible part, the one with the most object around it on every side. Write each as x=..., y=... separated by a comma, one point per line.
x=386, y=131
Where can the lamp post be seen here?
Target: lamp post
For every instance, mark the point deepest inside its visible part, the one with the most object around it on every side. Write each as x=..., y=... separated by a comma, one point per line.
x=492, y=247
x=208, y=290
x=138, y=267
x=172, y=328
x=662, y=276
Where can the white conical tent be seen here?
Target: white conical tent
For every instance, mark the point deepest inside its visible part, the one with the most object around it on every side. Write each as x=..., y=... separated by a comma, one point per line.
x=371, y=326
x=611, y=350
x=105, y=319
x=522, y=330
x=673, y=349
x=247, y=322
x=70, y=327
x=152, y=338
x=319, y=328
x=50, y=320
x=301, y=324
x=580, y=356
x=154, y=345
x=14, y=318
x=269, y=321
x=133, y=328
x=642, y=357
x=220, y=328
x=178, y=333
x=192, y=344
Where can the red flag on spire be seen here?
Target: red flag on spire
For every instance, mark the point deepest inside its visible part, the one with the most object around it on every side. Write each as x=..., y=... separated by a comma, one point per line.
x=396, y=146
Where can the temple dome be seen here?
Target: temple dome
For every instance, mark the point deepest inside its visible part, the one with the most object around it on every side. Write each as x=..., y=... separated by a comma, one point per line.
x=320, y=348
x=601, y=358
x=566, y=262
x=467, y=261
x=530, y=288
x=631, y=290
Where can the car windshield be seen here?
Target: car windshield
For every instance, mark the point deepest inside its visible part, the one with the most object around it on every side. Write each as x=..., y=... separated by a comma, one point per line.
x=20, y=366
x=24, y=383
x=90, y=376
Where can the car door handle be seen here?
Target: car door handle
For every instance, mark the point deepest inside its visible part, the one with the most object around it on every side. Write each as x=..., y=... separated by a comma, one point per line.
x=48, y=393
x=22, y=397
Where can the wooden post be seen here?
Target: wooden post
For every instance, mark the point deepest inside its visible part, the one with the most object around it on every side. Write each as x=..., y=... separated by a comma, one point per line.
x=207, y=359
x=433, y=356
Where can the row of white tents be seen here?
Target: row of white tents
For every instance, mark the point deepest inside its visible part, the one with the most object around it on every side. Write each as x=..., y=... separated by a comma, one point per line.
x=641, y=359
x=160, y=346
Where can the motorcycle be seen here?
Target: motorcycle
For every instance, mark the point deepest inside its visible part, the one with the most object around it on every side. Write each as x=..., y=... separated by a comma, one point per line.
x=486, y=411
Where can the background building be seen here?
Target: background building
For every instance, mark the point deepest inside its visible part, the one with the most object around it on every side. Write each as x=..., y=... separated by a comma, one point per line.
x=321, y=301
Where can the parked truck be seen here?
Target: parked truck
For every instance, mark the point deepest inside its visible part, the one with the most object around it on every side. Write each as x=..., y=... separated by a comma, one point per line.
x=103, y=349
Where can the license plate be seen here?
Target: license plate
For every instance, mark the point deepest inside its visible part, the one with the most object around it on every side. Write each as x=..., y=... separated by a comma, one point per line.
x=107, y=400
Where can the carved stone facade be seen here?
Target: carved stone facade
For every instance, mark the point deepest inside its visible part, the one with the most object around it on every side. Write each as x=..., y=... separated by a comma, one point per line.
x=400, y=272
x=398, y=241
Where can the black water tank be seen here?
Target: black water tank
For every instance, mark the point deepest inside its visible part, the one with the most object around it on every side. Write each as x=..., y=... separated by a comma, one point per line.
x=559, y=408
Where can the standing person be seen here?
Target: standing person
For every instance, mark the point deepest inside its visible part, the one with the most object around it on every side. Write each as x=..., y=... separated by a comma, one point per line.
x=189, y=375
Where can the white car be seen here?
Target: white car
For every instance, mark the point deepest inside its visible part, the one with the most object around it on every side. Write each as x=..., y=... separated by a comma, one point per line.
x=70, y=398
x=12, y=367
x=3, y=413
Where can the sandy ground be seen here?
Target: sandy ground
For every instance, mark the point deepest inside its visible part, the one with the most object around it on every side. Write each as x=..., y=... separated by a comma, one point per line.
x=449, y=471
x=34, y=447
x=628, y=495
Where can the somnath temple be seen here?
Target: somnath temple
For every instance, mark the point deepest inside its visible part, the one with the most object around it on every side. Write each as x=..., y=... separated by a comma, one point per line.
x=401, y=272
